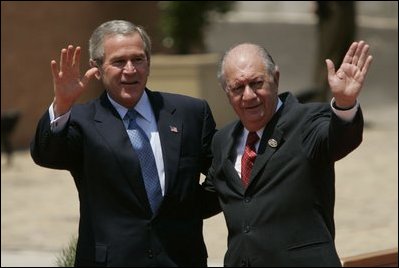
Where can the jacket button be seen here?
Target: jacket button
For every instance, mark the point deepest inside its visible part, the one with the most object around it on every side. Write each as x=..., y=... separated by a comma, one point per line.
x=150, y=254
x=247, y=199
x=247, y=229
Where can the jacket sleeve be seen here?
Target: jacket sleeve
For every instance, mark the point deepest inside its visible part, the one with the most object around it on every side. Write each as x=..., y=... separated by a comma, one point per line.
x=345, y=136
x=55, y=150
x=209, y=201
x=326, y=137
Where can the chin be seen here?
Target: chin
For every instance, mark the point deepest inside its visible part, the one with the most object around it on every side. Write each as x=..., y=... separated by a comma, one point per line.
x=131, y=91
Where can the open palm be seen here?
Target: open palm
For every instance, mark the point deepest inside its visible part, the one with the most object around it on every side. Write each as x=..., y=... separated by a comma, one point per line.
x=347, y=82
x=68, y=85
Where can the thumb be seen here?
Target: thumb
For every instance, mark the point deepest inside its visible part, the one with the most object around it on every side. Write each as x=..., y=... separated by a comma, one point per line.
x=330, y=68
x=89, y=75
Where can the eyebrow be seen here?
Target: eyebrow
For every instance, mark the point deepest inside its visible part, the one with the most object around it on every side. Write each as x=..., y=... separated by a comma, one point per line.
x=120, y=57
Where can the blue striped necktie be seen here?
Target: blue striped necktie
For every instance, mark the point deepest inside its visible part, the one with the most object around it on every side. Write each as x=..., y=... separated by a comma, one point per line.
x=142, y=147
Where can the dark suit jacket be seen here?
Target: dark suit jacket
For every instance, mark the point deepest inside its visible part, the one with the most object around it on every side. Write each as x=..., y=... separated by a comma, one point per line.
x=285, y=216
x=116, y=226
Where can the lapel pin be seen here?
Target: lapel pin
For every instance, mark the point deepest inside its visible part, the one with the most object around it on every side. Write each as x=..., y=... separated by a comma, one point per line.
x=272, y=143
x=173, y=129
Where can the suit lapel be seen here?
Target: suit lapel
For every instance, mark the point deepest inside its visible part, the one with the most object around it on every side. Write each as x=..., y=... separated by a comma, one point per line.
x=271, y=144
x=272, y=138
x=170, y=129
x=228, y=156
x=110, y=127
x=266, y=149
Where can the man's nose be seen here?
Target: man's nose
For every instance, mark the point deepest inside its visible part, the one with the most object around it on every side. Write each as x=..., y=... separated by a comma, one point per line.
x=248, y=93
x=129, y=67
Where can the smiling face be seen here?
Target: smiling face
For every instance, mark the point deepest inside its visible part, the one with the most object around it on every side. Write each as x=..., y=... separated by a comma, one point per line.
x=251, y=89
x=125, y=68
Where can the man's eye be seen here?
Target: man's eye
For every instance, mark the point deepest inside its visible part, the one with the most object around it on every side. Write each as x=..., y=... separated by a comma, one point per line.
x=118, y=63
x=237, y=89
x=257, y=84
x=138, y=60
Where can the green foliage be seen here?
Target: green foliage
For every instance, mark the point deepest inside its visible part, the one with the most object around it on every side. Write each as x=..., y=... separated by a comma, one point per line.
x=66, y=258
x=183, y=23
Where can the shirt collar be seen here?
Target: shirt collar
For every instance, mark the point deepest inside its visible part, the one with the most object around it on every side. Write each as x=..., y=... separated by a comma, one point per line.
x=143, y=107
x=279, y=104
x=259, y=132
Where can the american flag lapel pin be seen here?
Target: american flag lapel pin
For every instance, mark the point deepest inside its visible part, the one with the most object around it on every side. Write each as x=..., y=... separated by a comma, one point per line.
x=173, y=129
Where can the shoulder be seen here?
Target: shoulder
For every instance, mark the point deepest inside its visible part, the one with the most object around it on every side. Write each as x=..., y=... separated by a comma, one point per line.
x=88, y=110
x=293, y=108
x=229, y=131
x=177, y=100
x=179, y=97
x=84, y=108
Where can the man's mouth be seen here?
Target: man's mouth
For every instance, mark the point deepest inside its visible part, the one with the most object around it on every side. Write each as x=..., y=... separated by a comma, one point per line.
x=252, y=107
x=129, y=82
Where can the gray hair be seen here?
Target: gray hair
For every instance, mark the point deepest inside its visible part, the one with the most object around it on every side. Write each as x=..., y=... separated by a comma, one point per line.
x=112, y=28
x=264, y=54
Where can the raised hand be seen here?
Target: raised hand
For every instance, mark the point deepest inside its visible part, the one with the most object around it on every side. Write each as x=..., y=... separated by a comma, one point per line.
x=68, y=85
x=347, y=82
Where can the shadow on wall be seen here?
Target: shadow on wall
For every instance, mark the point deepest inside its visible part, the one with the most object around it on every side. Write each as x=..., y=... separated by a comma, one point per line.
x=9, y=121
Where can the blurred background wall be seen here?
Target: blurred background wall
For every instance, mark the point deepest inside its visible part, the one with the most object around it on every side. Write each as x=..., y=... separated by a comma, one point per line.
x=33, y=33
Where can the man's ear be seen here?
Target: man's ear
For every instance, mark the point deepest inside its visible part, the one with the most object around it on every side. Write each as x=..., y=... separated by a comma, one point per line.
x=276, y=76
x=149, y=68
x=93, y=64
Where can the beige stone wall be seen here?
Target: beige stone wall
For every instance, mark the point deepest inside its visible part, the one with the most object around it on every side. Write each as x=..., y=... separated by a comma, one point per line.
x=193, y=75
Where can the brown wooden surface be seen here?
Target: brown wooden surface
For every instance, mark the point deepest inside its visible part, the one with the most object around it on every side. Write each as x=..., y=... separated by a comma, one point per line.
x=383, y=258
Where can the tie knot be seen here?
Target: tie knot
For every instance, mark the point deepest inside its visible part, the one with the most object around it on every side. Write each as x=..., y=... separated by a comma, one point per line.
x=252, y=138
x=131, y=114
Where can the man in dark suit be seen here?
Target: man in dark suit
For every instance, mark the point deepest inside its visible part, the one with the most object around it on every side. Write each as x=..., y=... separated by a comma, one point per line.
x=274, y=168
x=135, y=155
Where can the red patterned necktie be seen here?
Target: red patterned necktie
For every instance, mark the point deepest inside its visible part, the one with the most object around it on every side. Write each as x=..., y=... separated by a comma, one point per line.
x=248, y=158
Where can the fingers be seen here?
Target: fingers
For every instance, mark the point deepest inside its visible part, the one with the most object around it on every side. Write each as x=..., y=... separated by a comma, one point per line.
x=367, y=65
x=330, y=68
x=54, y=69
x=76, y=59
x=76, y=56
x=63, y=59
x=363, y=57
x=358, y=53
x=70, y=57
x=351, y=52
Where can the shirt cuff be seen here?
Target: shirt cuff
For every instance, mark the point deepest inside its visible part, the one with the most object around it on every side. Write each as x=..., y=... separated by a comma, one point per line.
x=346, y=115
x=59, y=123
